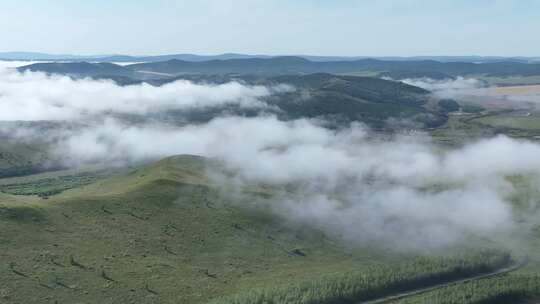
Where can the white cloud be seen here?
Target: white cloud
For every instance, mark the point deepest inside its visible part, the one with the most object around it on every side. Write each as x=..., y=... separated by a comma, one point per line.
x=448, y=88
x=403, y=193
x=36, y=96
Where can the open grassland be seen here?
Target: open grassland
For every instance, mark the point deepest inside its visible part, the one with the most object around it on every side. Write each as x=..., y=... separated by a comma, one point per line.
x=531, y=123
x=165, y=234
x=511, y=80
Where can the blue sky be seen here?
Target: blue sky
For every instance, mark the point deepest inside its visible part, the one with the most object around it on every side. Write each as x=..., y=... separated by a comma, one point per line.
x=318, y=27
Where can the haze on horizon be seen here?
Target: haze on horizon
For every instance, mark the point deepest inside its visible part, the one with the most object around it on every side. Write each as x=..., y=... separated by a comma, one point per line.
x=275, y=27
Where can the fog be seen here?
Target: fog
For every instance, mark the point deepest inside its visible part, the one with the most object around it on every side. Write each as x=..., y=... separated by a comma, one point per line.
x=36, y=96
x=447, y=88
x=472, y=90
x=403, y=192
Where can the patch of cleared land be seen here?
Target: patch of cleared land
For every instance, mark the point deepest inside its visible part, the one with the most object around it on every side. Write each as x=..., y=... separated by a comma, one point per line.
x=531, y=122
x=512, y=80
x=521, y=90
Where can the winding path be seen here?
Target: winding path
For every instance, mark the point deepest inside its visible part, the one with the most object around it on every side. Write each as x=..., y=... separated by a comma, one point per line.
x=419, y=291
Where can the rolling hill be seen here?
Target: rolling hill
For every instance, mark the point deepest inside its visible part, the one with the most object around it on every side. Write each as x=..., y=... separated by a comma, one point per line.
x=337, y=99
x=347, y=98
x=165, y=233
x=78, y=69
x=298, y=65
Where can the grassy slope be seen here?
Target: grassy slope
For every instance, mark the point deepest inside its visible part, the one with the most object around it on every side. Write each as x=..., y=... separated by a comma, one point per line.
x=161, y=234
x=17, y=158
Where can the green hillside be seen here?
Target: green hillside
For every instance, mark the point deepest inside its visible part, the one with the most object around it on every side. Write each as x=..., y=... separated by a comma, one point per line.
x=157, y=235
x=340, y=99
x=293, y=65
x=298, y=65
x=350, y=98
x=165, y=234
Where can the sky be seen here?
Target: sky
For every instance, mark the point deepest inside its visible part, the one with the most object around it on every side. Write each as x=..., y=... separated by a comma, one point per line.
x=277, y=27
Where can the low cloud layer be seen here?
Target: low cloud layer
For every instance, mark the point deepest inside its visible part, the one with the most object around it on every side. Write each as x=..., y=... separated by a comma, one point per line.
x=404, y=192
x=36, y=96
x=446, y=88
x=476, y=91
x=523, y=96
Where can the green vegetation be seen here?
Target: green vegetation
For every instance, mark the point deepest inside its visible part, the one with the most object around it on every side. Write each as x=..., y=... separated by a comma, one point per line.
x=377, y=282
x=165, y=234
x=338, y=98
x=160, y=234
x=470, y=108
x=49, y=186
x=21, y=158
x=459, y=130
x=343, y=99
x=291, y=65
x=513, y=122
x=449, y=105
x=511, y=80
x=499, y=290
x=521, y=286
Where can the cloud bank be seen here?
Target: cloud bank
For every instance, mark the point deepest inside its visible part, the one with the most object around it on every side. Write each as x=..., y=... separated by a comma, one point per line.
x=404, y=192
x=447, y=88
x=473, y=90
x=36, y=96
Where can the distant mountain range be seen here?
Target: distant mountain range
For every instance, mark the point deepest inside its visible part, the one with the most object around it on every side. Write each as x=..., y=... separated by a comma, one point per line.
x=289, y=65
x=33, y=56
